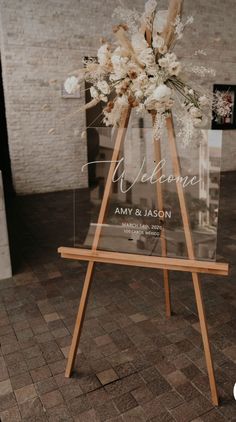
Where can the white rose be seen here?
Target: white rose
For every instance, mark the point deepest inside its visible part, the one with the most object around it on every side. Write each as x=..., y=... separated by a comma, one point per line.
x=103, y=87
x=163, y=62
x=159, y=98
x=147, y=57
x=93, y=92
x=162, y=93
x=71, y=85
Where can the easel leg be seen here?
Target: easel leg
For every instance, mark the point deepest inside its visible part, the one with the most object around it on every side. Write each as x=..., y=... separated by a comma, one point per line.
x=190, y=249
x=167, y=293
x=205, y=338
x=88, y=279
x=79, y=320
x=160, y=202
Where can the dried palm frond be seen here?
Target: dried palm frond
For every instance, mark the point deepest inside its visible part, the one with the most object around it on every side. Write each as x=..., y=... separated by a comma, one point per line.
x=175, y=9
x=91, y=104
x=148, y=35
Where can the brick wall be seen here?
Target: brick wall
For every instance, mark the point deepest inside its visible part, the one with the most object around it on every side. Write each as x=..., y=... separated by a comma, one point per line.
x=42, y=41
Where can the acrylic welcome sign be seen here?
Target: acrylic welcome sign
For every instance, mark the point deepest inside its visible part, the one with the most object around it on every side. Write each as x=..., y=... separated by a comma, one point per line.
x=134, y=221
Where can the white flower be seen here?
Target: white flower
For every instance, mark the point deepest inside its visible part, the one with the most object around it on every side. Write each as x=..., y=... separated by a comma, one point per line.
x=162, y=93
x=139, y=94
x=195, y=112
x=159, y=99
x=170, y=63
x=150, y=89
x=103, y=87
x=150, y=7
x=150, y=103
x=163, y=62
x=104, y=55
x=174, y=68
x=158, y=42
x=147, y=57
x=94, y=93
x=143, y=79
x=71, y=85
x=167, y=60
x=119, y=66
x=138, y=42
x=203, y=101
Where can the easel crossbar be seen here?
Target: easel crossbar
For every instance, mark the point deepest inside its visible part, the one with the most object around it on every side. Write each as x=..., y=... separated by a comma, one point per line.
x=164, y=263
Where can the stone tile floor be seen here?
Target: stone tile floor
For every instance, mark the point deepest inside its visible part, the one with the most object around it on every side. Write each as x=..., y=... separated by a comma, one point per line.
x=133, y=364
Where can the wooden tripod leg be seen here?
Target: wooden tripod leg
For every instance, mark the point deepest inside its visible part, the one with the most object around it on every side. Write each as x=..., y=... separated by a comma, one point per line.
x=190, y=250
x=79, y=320
x=205, y=338
x=88, y=278
x=160, y=201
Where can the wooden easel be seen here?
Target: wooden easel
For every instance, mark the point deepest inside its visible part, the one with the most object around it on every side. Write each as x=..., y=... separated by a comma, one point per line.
x=164, y=263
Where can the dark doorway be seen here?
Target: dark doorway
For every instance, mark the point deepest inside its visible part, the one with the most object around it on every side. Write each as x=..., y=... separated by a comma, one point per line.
x=5, y=163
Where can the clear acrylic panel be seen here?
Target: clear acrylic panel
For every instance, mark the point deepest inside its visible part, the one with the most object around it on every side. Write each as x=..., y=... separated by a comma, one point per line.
x=134, y=221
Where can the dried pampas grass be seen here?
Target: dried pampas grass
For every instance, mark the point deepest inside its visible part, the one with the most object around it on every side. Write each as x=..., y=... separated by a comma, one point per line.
x=125, y=43
x=175, y=9
x=123, y=40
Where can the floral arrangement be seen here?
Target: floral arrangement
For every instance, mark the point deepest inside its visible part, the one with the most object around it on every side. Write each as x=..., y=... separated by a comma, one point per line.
x=141, y=71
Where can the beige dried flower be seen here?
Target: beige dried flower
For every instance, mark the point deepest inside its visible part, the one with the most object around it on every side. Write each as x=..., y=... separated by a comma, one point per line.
x=116, y=28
